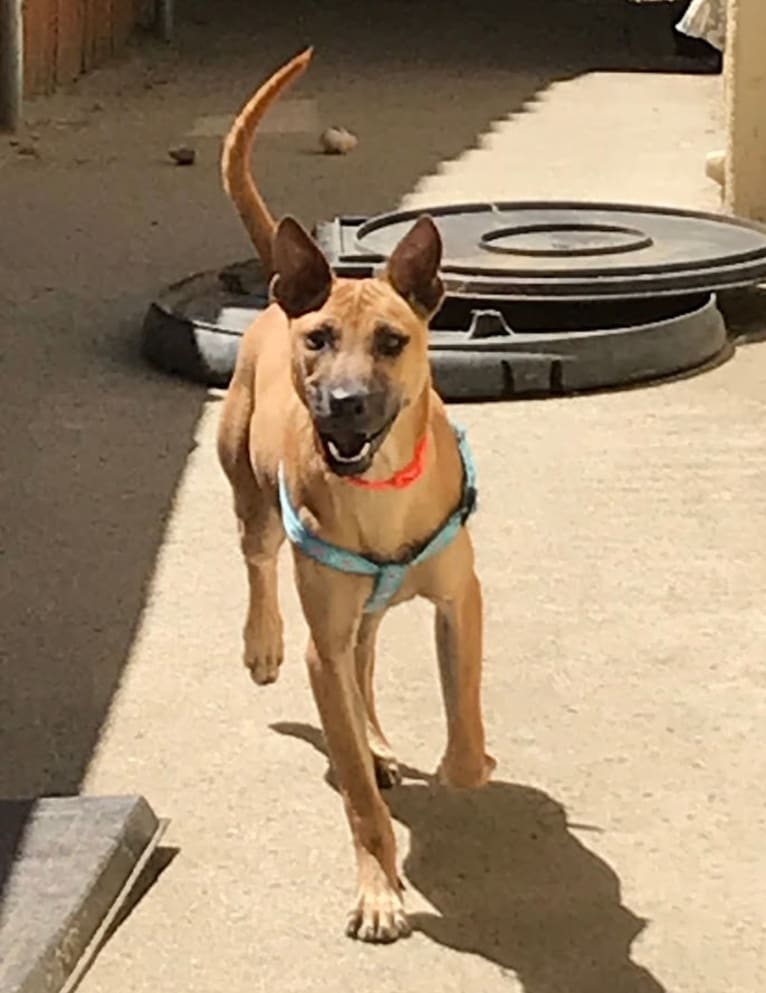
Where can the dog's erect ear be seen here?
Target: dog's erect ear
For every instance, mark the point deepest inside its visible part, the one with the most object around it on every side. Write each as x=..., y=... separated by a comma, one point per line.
x=413, y=268
x=302, y=278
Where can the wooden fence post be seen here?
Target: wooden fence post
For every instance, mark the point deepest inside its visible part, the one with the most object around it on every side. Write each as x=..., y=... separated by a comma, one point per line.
x=11, y=64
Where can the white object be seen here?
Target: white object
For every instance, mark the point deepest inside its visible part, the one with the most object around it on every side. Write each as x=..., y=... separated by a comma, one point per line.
x=337, y=141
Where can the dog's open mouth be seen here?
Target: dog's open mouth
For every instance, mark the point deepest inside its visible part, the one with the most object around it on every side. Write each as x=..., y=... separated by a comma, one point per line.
x=350, y=453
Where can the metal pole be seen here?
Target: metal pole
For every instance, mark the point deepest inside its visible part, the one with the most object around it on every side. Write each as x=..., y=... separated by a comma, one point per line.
x=165, y=19
x=11, y=63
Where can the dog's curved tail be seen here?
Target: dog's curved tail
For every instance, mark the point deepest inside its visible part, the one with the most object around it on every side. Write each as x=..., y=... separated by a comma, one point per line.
x=235, y=159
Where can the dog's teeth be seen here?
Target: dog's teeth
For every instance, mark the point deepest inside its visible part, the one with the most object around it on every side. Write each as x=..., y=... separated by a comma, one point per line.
x=336, y=454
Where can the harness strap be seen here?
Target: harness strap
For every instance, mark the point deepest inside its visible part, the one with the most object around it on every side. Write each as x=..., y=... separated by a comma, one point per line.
x=388, y=576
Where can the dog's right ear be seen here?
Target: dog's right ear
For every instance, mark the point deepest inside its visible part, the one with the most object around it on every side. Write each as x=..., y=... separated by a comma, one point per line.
x=302, y=277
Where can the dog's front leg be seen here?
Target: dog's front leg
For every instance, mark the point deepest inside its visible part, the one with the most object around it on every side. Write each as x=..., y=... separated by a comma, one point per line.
x=378, y=913
x=261, y=535
x=459, y=647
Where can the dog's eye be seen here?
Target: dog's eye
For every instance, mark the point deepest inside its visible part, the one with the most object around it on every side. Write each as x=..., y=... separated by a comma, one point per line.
x=389, y=343
x=318, y=339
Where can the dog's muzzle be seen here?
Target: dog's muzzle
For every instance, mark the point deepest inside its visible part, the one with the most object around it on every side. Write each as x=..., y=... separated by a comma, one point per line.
x=351, y=423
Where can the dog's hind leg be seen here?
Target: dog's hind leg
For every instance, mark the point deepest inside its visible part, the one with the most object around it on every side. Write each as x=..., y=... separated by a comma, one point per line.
x=459, y=648
x=261, y=534
x=386, y=767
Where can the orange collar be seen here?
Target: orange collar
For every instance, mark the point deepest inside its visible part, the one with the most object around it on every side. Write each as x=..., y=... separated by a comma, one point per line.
x=401, y=478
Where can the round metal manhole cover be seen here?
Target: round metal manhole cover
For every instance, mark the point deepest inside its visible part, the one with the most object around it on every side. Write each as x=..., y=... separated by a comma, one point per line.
x=542, y=298
x=577, y=250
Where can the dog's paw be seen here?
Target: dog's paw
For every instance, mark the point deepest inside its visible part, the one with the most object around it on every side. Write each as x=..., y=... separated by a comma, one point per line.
x=387, y=771
x=462, y=775
x=379, y=915
x=264, y=651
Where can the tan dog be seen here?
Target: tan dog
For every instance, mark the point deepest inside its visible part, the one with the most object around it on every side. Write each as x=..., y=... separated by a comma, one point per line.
x=332, y=395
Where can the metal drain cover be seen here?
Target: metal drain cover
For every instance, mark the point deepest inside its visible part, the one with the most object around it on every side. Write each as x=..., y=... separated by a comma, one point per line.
x=542, y=298
x=564, y=249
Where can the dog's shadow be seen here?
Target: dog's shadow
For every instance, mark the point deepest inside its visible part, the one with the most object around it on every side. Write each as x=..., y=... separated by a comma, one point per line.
x=512, y=884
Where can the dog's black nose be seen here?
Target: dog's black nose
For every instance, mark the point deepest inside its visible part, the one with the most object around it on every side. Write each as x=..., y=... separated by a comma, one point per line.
x=348, y=403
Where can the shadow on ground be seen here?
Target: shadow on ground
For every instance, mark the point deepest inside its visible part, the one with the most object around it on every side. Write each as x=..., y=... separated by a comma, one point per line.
x=92, y=443
x=417, y=82
x=743, y=311
x=512, y=884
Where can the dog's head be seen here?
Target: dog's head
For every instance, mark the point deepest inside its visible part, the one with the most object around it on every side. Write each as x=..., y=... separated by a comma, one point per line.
x=359, y=346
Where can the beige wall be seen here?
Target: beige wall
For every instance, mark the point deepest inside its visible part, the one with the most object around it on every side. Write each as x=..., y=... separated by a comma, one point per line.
x=745, y=80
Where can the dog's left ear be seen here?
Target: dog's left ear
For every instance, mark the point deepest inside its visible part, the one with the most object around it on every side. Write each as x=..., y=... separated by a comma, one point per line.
x=302, y=277
x=413, y=268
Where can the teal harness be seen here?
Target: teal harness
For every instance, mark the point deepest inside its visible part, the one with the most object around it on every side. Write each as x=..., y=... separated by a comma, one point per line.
x=388, y=576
